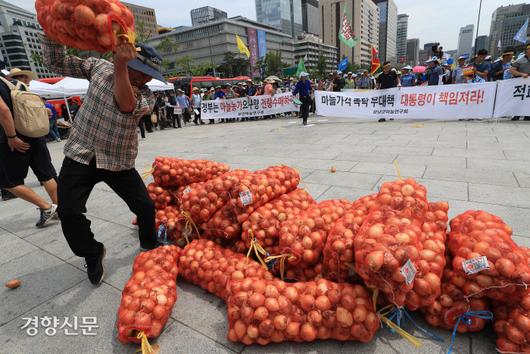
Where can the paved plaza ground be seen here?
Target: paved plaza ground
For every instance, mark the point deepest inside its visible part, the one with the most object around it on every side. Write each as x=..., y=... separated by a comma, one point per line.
x=472, y=165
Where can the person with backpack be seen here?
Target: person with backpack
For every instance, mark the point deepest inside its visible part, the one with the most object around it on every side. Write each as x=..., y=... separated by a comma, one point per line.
x=23, y=133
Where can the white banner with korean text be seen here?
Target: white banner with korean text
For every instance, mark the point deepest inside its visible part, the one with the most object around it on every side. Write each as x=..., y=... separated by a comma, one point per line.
x=446, y=102
x=513, y=98
x=247, y=107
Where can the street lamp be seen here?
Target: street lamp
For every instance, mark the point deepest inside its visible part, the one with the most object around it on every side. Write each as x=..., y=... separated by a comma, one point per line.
x=211, y=54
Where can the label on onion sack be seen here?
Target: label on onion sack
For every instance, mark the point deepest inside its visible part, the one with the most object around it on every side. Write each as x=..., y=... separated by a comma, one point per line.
x=246, y=198
x=409, y=272
x=475, y=265
x=187, y=191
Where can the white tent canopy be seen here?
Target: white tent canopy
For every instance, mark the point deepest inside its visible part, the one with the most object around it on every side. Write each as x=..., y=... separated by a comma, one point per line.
x=157, y=85
x=70, y=86
x=43, y=89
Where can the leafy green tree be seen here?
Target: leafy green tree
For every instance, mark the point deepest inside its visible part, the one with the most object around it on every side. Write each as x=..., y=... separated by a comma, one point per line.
x=274, y=64
x=233, y=65
x=185, y=64
x=37, y=58
x=167, y=46
x=141, y=35
x=322, y=64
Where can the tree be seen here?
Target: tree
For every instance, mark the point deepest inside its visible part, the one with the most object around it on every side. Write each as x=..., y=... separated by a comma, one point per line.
x=185, y=64
x=167, y=46
x=141, y=36
x=322, y=65
x=37, y=58
x=234, y=66
x=274, y=64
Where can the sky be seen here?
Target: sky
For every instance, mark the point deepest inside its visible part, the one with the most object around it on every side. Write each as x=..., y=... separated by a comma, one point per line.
x=430, y=21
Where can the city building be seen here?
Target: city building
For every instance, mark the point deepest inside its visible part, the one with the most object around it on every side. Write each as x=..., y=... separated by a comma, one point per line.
x=505, y=22
x=311, y=19
x=364, y=18
x=285, y=15
x=482, y=42
x=387, y=30
x=144, y=20
x=208, y=43
x=401, y=38
x=310, y=48
x=427, y=52
x=451, y=54
x=413, y=51
x=19, y=40
x=465, y=40
x=206, y=14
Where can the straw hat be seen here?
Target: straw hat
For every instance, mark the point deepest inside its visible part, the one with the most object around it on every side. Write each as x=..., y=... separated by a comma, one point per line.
x=17, y=72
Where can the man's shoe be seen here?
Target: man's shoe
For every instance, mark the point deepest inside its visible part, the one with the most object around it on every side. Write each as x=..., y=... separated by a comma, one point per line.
x=382, y=120
x=515, y=118
x=526, y=118
x=94, y=268
x=46, y=216
x=145, y=247
x=7, y=195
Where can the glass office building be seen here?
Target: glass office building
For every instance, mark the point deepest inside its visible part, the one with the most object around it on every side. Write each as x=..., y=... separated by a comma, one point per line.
x=285, y=15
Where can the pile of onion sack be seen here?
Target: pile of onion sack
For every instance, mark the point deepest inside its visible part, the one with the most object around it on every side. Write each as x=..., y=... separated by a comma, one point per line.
x=294, y=269
x=86, y=24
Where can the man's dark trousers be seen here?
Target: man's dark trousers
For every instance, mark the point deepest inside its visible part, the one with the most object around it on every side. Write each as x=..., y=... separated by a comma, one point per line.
x=306, y=105
x=76, y=182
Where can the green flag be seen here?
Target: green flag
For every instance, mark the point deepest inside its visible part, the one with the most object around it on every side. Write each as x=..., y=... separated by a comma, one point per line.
x=301, y=67
x=346, y=33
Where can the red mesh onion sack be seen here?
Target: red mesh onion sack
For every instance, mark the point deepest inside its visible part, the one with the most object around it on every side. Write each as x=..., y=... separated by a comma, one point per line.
x=178, y=228
x=253, y=190
x=512, y=325
x=445, y=311
x=172, y=172
x=203, y=199
x=431, y=262
x=149, y=295
x=161, y=197
x=303, y=238
x=85, y=24
x=387, y=246
x=264, y=224
x=486, y=256
x=210, y=266
x=339, y=257
x=272, y=311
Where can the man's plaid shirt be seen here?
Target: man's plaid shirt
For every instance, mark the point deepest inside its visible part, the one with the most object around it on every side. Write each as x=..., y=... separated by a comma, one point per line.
x=99, y=130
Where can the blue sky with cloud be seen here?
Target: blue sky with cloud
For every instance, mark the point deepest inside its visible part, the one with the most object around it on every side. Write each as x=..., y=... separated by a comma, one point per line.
x=429, y=20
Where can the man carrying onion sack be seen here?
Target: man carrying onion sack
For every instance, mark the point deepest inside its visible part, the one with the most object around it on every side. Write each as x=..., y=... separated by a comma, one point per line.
x=103, y=142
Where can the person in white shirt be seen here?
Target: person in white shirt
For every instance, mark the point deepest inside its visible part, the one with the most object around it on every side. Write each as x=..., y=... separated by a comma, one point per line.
x=196, y=101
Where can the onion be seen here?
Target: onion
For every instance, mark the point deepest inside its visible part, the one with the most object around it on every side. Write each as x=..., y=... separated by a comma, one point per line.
x=505, y=267
x=344, y=317
x=374, y=260
x=13, y=284
x=308, y=332
x=515, y=335
x=261, y=313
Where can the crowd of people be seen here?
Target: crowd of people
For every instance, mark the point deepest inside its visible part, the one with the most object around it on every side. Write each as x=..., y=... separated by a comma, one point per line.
x=103, y=143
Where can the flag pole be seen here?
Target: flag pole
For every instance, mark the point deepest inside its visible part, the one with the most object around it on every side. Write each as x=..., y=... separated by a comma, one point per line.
x=478, y=26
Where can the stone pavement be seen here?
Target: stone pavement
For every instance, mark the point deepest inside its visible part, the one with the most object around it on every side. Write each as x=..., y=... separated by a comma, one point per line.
x=473, y=165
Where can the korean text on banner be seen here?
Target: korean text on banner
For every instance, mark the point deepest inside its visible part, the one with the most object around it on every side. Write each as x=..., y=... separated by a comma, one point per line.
x=450, y=102
x=513, y=98
x=255, y=106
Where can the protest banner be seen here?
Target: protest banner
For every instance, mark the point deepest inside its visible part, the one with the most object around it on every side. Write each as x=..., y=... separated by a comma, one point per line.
x=513, y=98
x=247, y=107
x=446, y=102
